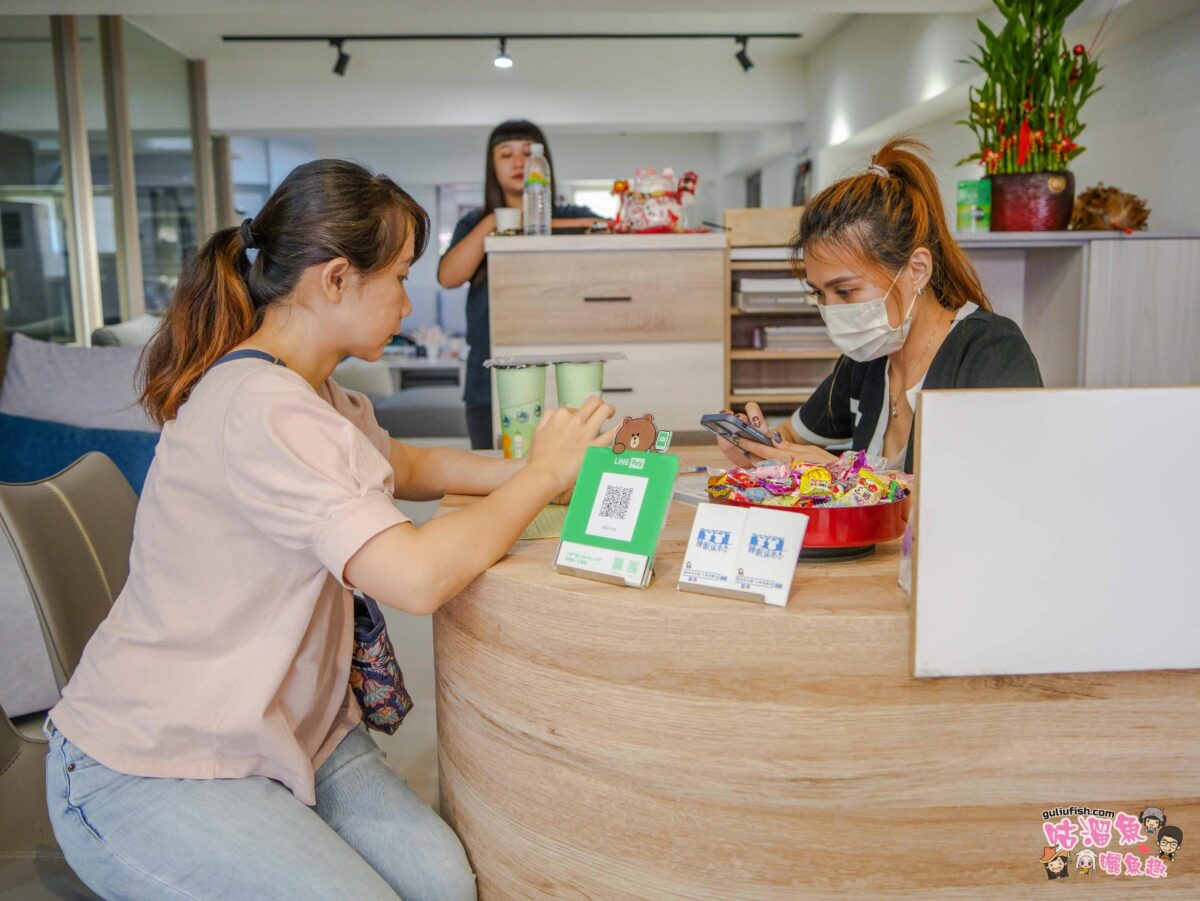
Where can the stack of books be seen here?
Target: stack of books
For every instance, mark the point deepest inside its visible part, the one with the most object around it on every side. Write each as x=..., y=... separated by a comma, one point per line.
x=760, y=295
x=796, y=338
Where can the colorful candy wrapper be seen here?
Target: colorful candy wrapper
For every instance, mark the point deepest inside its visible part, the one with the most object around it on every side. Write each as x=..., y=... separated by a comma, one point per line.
x=868, y=490
x=816, y=481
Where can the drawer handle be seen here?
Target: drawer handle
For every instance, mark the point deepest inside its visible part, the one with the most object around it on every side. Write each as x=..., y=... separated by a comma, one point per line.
x=618, y=390
x=609, y=299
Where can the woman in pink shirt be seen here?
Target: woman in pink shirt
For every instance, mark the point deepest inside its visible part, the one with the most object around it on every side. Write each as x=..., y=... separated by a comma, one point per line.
x=208, y=744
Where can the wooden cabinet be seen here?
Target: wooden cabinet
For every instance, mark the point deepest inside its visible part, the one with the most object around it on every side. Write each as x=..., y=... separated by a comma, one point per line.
x=1099, y=309
x=623, y=295
x=659, y=299
x=777, y=373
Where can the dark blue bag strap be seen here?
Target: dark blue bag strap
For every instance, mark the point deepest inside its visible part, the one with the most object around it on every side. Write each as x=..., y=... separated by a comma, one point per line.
x=249, y=353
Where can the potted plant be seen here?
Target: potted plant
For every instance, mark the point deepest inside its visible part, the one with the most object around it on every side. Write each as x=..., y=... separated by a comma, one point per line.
x=1026, y=113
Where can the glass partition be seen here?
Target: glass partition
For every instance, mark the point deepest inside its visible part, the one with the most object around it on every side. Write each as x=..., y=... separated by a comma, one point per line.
x=35, y=284
x=162, y=161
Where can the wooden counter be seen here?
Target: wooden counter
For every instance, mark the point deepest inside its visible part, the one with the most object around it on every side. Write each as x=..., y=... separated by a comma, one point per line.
x=609, y=743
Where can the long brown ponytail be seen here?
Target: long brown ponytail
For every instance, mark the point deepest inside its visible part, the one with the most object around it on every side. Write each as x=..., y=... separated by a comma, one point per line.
x=323, y=210
x=889, y=211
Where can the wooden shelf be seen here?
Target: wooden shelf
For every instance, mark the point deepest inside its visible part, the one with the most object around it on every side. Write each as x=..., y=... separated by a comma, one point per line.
x=764, y=266
x=810, y=310
x=768, y=399
x=754, y=354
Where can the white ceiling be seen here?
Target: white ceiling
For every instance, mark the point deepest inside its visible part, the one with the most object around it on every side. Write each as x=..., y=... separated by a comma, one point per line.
x=195, y=28
x=634, y=85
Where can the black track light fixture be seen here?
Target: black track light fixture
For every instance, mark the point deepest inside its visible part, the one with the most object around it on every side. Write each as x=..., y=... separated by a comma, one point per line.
x=503, y=60
x=343, y=58
x=742, y=56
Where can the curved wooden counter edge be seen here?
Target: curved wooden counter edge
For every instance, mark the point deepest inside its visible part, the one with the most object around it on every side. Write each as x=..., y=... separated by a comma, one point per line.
x=605, y=742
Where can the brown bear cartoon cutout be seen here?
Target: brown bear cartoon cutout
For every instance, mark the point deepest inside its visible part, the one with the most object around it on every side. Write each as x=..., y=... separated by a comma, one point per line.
x=636, y=434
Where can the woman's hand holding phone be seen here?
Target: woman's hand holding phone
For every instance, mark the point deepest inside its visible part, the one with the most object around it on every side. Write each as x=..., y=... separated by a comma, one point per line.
x=745, y=453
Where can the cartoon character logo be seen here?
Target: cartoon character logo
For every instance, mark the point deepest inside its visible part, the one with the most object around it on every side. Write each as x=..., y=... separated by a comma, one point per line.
x=1169, y=840
x=1152, y=819
x=1057, y=862
x=1085, y=862
x=636, y=434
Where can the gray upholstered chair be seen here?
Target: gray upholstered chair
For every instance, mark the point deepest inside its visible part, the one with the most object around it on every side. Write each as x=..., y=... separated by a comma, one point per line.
x=31, y=865
x=70, y=535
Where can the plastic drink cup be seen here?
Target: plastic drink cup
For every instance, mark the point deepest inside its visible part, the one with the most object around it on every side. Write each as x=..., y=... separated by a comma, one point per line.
x=575, y=381
x=521, y=395
x=508, y=221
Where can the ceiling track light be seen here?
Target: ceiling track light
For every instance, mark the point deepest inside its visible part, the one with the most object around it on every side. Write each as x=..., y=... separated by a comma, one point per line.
x=503, y=60
x=742, y=56
x=343, y=58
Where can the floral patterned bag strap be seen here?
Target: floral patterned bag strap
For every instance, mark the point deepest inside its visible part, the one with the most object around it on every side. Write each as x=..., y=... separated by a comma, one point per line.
x=375, y=676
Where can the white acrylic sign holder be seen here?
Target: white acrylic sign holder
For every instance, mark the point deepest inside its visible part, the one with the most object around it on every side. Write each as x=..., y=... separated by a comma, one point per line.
x=1057, y=531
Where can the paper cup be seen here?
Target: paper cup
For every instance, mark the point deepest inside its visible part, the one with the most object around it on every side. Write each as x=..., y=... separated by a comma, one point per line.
x=575, y=381
x=521, y=395
x=508, y=220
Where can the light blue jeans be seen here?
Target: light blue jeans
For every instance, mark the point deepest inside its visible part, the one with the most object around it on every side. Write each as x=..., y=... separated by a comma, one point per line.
x=368, y=837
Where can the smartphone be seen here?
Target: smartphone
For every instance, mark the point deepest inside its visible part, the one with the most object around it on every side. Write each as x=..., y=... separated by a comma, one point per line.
x=729, y=427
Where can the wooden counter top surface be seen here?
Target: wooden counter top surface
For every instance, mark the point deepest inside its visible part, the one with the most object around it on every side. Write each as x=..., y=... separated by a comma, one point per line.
x=604, y=742
x=539, y=244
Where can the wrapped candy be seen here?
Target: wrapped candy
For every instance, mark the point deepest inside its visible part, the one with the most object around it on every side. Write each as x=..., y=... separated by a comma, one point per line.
x=816, y=480
x=868, y=489
x=855, y=479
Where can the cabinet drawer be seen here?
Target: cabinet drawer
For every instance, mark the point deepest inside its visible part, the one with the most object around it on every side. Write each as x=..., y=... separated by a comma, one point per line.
x=589, y=296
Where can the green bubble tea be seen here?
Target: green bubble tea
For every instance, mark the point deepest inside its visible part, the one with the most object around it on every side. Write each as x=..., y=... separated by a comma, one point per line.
x=521, y=395
x=575, y=381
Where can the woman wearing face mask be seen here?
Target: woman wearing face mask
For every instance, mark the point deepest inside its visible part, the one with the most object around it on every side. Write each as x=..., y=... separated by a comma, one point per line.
x=904, y=306
x=508, y=147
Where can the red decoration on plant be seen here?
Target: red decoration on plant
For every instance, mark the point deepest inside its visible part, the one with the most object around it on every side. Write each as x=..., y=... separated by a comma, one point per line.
x=1079, y=50
x=1023, y=143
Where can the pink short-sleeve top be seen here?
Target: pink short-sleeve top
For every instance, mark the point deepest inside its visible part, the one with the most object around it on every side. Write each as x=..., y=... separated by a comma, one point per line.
x=227, y=652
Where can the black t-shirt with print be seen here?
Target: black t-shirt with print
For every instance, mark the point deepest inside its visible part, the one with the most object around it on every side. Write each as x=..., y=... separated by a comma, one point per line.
x=983, y=350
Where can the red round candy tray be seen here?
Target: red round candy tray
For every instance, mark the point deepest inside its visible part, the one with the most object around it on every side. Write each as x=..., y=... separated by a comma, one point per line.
x=845, y=527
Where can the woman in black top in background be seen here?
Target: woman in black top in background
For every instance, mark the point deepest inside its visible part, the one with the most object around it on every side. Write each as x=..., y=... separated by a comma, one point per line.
x=903, y=304
x=508, y=148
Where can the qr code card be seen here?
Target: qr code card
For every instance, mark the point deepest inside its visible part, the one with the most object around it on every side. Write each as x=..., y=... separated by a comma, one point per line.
x=617, y=505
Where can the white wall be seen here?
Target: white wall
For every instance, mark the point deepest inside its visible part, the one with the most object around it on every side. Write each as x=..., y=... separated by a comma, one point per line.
x=876, y=66
x=774, y=150
x=878, y=75
x=1144, y=127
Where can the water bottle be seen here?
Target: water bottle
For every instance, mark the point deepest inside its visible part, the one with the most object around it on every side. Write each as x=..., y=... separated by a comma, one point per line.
x=536, y=200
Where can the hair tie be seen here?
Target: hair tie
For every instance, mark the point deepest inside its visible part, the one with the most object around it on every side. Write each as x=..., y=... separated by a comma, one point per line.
x=247, y=235
x=879, y=170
